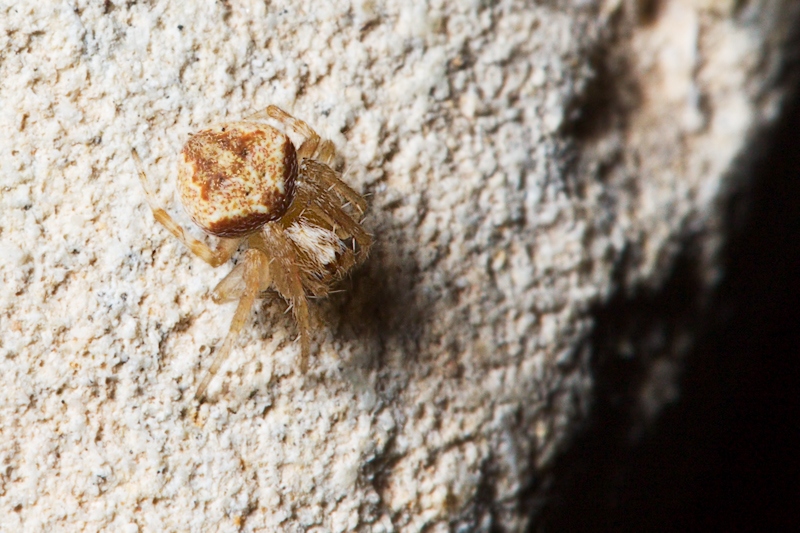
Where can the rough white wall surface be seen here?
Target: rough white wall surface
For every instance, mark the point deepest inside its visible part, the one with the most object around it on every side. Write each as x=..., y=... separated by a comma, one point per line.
x=509, y=164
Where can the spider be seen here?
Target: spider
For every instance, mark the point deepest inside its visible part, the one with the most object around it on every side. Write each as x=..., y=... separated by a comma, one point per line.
x=300, y=224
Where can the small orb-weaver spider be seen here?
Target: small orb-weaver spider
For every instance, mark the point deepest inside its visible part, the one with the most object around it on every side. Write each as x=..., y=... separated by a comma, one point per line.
x=300, y=224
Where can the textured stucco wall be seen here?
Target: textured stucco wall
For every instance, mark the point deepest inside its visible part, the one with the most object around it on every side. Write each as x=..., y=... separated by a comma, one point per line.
x=511, y=150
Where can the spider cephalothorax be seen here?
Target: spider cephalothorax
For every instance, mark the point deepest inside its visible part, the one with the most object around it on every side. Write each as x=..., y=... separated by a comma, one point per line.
x=245, y=183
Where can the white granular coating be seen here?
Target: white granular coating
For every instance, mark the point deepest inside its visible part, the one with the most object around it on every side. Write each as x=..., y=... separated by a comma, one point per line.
x=437, y=371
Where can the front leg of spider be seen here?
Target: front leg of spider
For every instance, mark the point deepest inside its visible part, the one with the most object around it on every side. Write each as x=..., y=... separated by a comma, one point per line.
x=245, y=183
x=255, y=267
x=214, y=257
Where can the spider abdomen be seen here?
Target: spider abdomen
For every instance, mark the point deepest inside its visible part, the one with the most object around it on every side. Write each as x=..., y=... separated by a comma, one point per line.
x=233, y=179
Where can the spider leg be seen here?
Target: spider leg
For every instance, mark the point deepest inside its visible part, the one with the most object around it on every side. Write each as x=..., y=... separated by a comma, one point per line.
x=329, y=178
x=338, y=219
x=327, y=152
x=324, y=206
x=252, y=275
x=233, y=286
x=213, y=257
x=288, y=280
x=309, y=147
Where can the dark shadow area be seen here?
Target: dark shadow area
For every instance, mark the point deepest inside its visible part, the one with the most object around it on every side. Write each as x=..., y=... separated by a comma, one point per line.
x=724, y=456
x=381, y=301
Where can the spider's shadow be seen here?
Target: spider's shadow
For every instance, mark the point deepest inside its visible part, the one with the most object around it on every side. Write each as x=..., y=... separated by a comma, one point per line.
x=378, y=308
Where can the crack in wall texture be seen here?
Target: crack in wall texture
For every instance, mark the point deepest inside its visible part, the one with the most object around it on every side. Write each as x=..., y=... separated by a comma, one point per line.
x=513, y=152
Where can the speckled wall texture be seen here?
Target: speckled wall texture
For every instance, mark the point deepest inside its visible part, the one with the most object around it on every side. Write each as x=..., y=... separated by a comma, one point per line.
x=510, y=152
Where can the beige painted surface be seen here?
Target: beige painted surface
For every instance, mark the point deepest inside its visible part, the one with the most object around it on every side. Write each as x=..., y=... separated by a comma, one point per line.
x=506, y=171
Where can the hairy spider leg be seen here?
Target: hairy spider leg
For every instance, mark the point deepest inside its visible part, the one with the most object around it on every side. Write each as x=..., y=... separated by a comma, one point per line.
x=331, y=180
x=327, y=152
x=214, y=257
x=234, y=284
x=255, y=270
x=311, y=140
x=309, y=147
x=287, y=279
x=323, y=206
